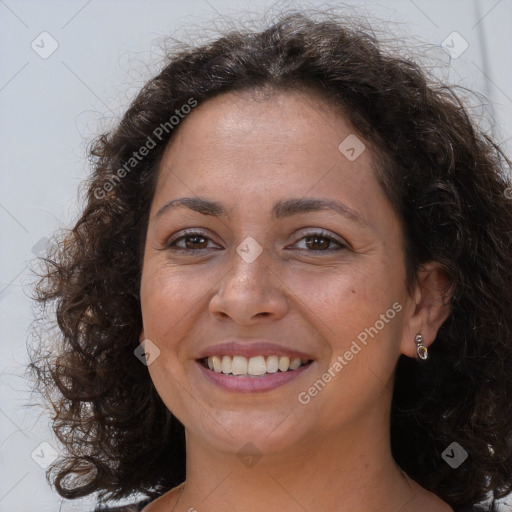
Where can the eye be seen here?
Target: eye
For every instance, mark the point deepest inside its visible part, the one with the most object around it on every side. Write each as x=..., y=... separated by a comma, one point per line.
x=318, y=241
x=193, y=241
x=322, y=241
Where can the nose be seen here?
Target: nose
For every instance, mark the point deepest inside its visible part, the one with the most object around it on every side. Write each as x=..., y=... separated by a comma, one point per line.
x=249, y=291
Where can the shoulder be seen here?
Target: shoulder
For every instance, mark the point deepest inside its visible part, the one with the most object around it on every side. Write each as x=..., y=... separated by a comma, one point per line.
x=132, y=507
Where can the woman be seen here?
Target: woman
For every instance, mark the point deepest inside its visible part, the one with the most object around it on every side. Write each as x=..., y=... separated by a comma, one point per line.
x=293, y=277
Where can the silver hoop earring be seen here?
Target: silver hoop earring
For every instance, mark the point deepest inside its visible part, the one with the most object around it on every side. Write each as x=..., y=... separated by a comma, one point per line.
x=421, y=349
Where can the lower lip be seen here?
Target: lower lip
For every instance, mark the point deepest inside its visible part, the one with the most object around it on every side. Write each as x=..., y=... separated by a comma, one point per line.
x=256, y=384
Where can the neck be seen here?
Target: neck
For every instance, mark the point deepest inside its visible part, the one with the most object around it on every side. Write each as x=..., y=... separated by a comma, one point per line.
x=339, y=471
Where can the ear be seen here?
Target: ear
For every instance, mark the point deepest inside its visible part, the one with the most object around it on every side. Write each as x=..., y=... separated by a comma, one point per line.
x=430, y=308
x=141, y=336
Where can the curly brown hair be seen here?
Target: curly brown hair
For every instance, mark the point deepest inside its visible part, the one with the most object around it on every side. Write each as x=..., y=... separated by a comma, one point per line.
x=445, y=177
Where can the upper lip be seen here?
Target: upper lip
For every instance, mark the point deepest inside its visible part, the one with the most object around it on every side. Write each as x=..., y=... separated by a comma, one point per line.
x=251, y=349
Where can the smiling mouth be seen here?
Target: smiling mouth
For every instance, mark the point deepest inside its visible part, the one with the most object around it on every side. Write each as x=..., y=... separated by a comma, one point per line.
x=258, y=366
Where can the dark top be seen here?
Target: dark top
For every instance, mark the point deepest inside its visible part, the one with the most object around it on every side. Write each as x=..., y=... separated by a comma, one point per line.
x=138, y=506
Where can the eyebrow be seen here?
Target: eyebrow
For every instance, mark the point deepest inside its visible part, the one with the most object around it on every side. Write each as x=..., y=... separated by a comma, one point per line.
x=281, y=209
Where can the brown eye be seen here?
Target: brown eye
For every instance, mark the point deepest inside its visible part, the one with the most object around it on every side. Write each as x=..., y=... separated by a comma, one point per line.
x=317, y=242
x=192, y=241
x=321, y=242
x=195, y=241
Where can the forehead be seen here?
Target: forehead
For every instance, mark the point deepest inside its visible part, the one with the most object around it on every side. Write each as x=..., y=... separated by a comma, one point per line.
x=263, y=137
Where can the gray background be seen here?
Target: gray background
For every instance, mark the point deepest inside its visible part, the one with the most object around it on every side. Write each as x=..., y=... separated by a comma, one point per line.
x=50, y=108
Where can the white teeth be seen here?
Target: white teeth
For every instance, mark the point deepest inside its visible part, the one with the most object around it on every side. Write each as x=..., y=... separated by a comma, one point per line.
x=272, y=364
x=216, y=363
x=295, y=363
x=238, y=365
x=284, y=363
x=226, y=364
x=258, y=365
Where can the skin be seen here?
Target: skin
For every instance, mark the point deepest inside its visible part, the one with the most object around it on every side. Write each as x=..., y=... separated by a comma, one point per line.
x=246, y=151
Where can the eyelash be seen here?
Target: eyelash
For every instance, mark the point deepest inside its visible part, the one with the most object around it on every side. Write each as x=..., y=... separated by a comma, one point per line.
x=189, y=234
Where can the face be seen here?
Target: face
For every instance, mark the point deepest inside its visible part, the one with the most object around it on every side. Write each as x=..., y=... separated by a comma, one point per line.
x=265, y=274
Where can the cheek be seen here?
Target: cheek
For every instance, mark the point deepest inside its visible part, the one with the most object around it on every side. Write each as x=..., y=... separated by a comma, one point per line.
x=359, y=319
x=356, y=311
x=168, y=304
x=344, y=300
x=169, y=298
